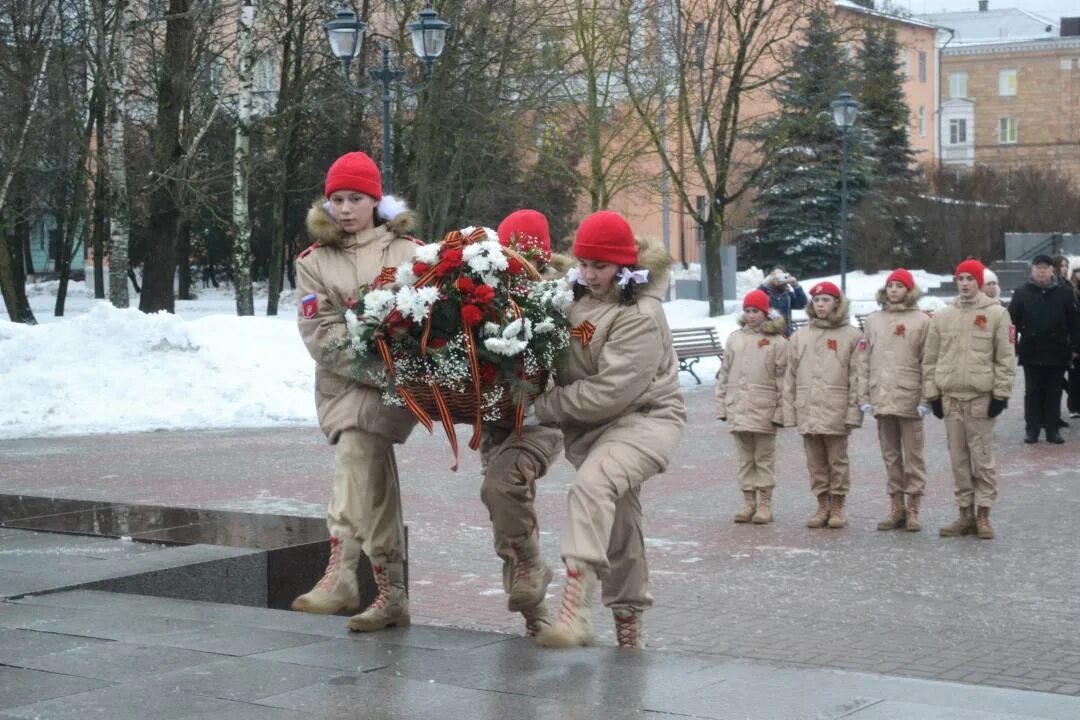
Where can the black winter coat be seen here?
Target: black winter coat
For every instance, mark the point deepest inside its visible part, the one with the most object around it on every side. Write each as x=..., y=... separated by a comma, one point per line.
x=1048, y=324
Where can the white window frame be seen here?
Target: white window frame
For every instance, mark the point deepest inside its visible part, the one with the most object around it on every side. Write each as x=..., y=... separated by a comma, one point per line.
x=1008, y=132
x=1008, y=82
x=958, y=85
x=958, y=131
x=922, y=66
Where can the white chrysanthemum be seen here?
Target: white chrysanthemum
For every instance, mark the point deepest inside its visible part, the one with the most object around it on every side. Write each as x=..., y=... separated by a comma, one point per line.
x=405, y=275
x=505, y=346
x=378, y=303
x=428, y=254
x=491, y=329
x=544, y=326
x=351, y=321
x=562, y=301
x=520, y=329
x=485, y=258
x=415, y=303
x=492, y=236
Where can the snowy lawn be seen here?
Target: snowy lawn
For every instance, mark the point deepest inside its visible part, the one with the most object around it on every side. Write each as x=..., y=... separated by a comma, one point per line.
x=103, y=370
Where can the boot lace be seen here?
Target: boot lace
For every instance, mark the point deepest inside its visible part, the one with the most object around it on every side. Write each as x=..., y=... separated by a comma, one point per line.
x=522, y=565
x=330, y=576
x=626, y=630
x=572, y=596
x=382, y=581
x=533, y=622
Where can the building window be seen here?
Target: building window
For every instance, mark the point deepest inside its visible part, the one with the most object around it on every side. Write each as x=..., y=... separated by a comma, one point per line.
x=906, y=63
x=958, y=85
x=1007, y=131
x=922, y=121
x=922, y=66
x=264, y=74
x=958, y=131
x=1007, y=82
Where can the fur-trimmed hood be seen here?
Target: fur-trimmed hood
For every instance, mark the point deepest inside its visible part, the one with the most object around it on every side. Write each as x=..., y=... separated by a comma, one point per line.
x=908, y=303
x=837, y=318
x=771, y=326
x=323, y=229
x=654, y=257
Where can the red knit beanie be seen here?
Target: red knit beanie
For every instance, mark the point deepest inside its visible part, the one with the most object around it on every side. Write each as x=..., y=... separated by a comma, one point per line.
x=756, y=299
x=902, y=276
x=354, y=171
x=605, y=237
x=973, y=268
x=530, y=227
x=825, y=288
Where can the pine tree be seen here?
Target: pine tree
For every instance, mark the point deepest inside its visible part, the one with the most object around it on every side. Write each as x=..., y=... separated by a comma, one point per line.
x=798, y=201
x=885, y=231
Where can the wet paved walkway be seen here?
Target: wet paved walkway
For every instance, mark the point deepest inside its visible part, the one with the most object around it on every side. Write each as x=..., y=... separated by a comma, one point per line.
x=1003, y=613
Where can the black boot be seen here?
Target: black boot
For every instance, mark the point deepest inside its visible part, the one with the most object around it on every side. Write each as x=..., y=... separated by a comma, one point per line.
x=1053, y=435
x=1031, y=436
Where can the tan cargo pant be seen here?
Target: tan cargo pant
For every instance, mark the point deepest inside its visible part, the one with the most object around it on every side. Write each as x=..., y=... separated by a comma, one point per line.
x=366, y=500
x=901, y=441
x=511, y=467
x=604, y=520
x=970, y=434
x=756, y=452
x=827, y=462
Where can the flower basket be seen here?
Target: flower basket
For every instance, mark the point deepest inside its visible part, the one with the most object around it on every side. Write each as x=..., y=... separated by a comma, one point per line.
x=467, y=332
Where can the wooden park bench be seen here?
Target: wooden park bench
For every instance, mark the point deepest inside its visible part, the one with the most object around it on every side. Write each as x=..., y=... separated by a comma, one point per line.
x=692, y=344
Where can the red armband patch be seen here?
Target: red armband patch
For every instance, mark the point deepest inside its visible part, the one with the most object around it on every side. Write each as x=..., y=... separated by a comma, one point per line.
x=310, y=305
x=1012, y=334
x=862, y=343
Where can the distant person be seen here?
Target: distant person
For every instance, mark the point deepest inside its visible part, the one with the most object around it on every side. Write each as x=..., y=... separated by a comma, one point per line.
x=821, y=398
x=890, y=372
x=749, y=398
x=1061, y=267
x=990, y=285
x=1074, y=369
x=1047, y=322
x=968, y=371
x=784, y=294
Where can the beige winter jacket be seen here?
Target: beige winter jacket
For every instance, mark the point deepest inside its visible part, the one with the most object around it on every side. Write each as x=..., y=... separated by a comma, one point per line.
x=750, y=388
x=333, y=270
x=821, y=389
x=624, y=385
x=890, y=359
x=969, y=351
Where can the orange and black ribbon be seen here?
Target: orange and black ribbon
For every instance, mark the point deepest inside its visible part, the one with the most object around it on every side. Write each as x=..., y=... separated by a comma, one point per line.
x=583, y=332
x=447, y=422
x=387, y=276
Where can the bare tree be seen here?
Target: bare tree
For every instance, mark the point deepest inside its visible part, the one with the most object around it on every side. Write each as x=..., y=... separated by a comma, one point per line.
x=725, y=54
x=241, y=216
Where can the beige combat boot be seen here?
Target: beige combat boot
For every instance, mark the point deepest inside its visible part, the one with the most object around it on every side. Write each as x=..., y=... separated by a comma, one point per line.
x=749, y=507
x=963, y=525
x=531, y=576
x=536, y=619
x=391, y=604
x=338, y=589
x=629, y=628
x=818, y=519
x=912, y=523
x=837, y=516
x=763, y=515
x=982, y=524
x=573, y=626
x=897, y=513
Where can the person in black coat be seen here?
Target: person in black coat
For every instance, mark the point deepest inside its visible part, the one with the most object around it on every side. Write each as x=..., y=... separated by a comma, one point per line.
x=1047, y=321
x=785, y=295
x=1074, y=369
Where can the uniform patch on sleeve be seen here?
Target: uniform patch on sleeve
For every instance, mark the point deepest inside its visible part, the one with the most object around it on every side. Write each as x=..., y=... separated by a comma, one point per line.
x=1012, y=334
x=862, y=344
x=310, y=305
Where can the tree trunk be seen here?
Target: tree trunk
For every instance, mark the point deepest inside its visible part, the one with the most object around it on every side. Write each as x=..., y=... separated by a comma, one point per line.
x=14, y=292
x=99, y=219
x=119, y=209
x=713, y=272
x=183, y=257
x=245, y=303
x=290, y=94
x=174, y=88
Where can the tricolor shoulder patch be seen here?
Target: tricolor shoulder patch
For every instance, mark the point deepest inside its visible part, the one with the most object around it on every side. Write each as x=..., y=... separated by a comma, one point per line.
x=862, y=343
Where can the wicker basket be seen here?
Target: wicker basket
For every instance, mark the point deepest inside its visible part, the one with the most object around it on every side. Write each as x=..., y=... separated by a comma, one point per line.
x=462, y=405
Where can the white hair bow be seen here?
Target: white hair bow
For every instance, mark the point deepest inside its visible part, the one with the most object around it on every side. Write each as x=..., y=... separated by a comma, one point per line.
x=638, y=276
x=573, y=275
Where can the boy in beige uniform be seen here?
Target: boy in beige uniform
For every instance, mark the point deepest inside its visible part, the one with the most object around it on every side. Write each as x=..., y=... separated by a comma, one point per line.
x=749, y=397
x=890, y=370
x=968, y=368
x=821, y=398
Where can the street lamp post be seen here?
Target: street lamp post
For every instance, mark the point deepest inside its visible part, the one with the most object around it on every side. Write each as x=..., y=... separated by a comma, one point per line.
x=845, y=110
x=345, y=34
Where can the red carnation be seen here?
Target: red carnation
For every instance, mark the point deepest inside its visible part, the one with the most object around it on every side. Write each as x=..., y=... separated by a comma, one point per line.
x=450, y=259
x=471, y=315
x=484, y=293
x=514, y=266
x=488, y=371
x=419, y=268
x=465, y=285
x=436, y=343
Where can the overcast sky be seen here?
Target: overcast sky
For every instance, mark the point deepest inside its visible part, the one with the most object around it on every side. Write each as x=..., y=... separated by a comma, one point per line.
x=1053, y=9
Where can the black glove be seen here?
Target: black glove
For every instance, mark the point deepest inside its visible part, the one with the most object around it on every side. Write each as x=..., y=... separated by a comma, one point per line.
x=778, y=425
x=722, y=419
x=996, y=406
x=939, y=410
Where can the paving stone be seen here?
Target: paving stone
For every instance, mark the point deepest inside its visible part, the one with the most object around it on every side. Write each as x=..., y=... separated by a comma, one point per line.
x=237, y=679
x=117, y=626
x=349, y=655
x=228, y=639
x=119, y=703
x=22, y=687
x=896, y=710
x=18, y=646
x=119, y=662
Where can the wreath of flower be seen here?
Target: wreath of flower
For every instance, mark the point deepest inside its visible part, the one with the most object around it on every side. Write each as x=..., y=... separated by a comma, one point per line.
x=464, y=317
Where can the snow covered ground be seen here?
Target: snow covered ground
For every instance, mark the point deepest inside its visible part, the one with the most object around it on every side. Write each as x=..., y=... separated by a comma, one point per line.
x=103, y=370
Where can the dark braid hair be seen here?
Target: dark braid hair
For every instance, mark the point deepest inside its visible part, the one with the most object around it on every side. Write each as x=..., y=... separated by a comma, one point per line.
x=628, y=294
